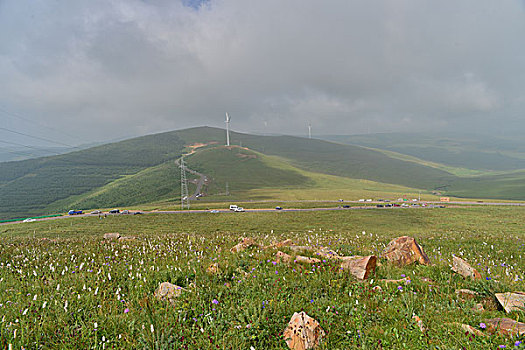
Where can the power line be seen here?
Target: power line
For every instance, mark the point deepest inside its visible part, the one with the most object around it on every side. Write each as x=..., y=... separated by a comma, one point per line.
x=30, y=147
x=18, y=116
x=38, y=138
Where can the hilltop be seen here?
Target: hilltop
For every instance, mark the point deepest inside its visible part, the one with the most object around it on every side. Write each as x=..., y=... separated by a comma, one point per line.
x=143, y=170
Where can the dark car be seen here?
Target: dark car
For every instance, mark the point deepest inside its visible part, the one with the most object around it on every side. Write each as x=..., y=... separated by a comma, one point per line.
x=346, y=206
x=380, y=205
x=278, y=208
x=114, y=211
x=388, y=205
x=138, y=213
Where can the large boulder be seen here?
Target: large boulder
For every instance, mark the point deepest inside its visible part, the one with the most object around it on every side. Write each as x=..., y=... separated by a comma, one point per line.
x=168, y=292
x=303, y=332
x=464, y=269
x=512, y=301
x=283, y=257
x=405, y=251
x=360, y=267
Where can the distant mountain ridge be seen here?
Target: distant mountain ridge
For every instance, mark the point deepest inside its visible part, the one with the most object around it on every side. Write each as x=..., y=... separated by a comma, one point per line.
x=142, y=170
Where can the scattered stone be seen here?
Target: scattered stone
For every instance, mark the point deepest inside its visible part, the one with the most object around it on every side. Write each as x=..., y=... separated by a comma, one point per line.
x=213, y=269
x=505, y=326
x=283, y=257
x=245, y=243
x=419, y=323
x=303, y=332
x=285, y=243
x=306, y=260
x=464, y=269
x=301, y=248
x=467, y=328
x=405, y=251
x=111, y=235
x=512, y=301
x=168, y=292
x=360, y=267
x=405, y=280
x=126, y=239
x=466, y=293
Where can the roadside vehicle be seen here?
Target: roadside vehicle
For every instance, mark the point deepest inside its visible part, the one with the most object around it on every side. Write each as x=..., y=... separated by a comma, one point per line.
x=96, y=212
x=214, y=211
x=239, y=209
x=29, y=220
x=74, y=212
x=379, y=205
x=278, y=208
x=114, y=211
x=346, y=206
x=233, y=207
x=125, y=212
x=138, y=213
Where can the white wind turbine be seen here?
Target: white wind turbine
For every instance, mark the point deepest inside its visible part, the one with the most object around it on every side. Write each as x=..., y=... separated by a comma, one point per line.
x=227, y=129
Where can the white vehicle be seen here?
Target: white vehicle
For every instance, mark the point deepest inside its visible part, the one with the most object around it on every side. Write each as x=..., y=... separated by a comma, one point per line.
x=362, y=200
x=29, y=220
x=368, y=200
x=239, y=209
x=233, y=207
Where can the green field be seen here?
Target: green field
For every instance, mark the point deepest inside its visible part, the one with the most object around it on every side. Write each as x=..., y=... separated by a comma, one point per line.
x=65, y=288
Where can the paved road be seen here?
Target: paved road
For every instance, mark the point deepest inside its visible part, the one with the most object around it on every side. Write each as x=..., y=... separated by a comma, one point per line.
x=200, y=183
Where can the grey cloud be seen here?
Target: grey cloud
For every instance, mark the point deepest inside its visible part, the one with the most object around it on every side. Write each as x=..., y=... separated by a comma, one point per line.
x=137, y=67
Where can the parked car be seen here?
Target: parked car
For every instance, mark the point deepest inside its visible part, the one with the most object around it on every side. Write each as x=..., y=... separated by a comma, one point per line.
x=346, y=206
x=29, y=220
x=114, y=211
x=278, y=208
x=125, y=212
x=214, y=211
x=96, y=212
x=239, y=209
x=74, y=212
x=233, y=207
x=138, y=213
x=380, y=205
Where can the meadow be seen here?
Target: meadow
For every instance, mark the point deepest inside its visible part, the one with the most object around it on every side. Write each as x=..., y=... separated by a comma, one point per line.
x=65, y=287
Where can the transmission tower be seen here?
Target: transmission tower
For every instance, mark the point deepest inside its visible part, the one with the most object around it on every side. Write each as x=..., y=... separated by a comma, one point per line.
x=184, y=196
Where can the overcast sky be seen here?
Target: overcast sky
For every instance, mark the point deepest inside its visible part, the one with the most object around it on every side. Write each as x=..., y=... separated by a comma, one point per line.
x=79, y=71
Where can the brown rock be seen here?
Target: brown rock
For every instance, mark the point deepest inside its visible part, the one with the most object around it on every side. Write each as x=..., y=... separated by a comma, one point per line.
x=360, y=267
x=126, y=239
x=168, y=292
x=283, y=257
x=505, y=326
x=213, y=269
x=405, y=280
x=464, y=269
x=111, y=235
x=306, y=260
x=466, y=293
x=512, y=301
x=467, y=328
x=245, y=243
x=303, y=332
x=405, y=251
x=285, y=243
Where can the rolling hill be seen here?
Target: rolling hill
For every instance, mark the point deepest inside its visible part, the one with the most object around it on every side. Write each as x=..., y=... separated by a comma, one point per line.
x=143, y=170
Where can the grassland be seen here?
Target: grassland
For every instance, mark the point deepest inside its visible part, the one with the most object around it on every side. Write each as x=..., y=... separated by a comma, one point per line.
x=63, y=287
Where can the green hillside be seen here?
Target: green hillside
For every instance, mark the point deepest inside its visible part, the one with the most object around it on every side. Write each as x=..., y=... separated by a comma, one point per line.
x=143, y=170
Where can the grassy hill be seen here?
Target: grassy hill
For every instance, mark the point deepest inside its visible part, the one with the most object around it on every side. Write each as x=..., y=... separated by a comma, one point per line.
x=143, y=170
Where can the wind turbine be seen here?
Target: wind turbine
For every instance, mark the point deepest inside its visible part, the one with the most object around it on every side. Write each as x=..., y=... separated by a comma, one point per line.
x=309, y=130
x=227, y=129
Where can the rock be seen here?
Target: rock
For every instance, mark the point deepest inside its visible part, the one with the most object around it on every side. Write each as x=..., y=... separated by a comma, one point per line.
x=213, y=269
x=306, y=260
x=126, y=239
x=111, y=235
x=405, y=251
x=303, y=332
x=360, y=267
x=283, y=257
x=467, y=328
x=505, y=326
x=245, y=243
x=419, y=323
x=512, y=301
x=464, y=269
x=168, y=292
x=285, y=243
x=405, y=280
x=466, y=293
x=301, y=248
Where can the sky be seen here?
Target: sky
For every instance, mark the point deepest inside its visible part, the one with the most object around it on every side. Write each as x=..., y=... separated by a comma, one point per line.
x=76, y=72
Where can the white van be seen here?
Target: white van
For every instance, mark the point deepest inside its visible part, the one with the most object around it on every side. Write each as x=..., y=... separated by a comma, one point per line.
x=233, y=207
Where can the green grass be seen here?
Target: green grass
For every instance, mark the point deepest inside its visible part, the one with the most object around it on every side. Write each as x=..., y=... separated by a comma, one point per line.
x=63, y=288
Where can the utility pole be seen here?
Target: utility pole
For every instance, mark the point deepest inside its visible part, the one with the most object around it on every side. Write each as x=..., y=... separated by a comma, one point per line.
x=184, y=196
